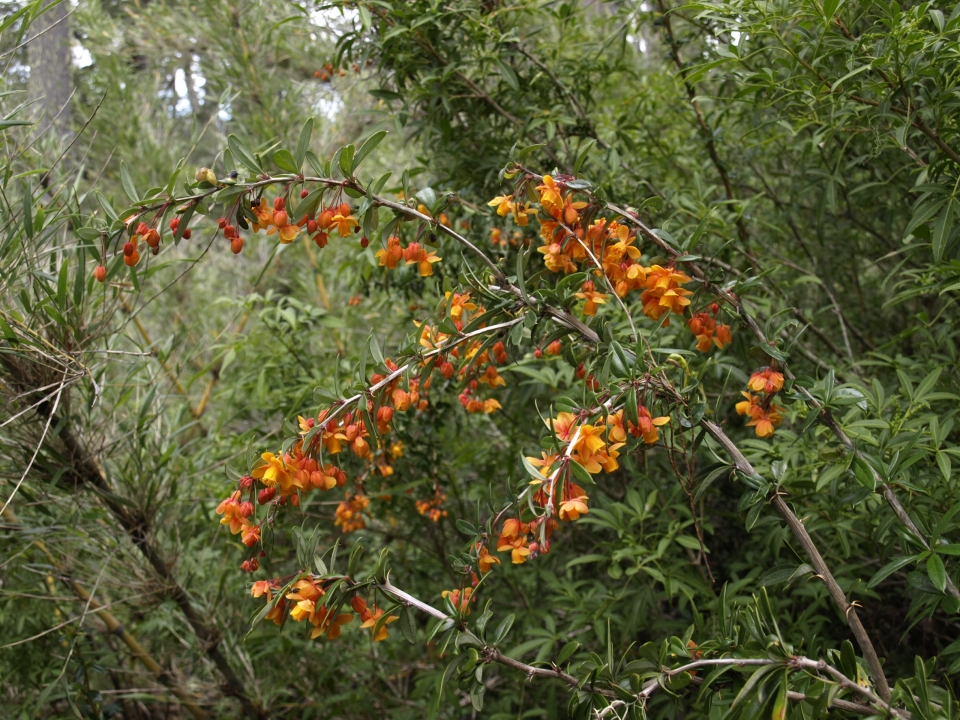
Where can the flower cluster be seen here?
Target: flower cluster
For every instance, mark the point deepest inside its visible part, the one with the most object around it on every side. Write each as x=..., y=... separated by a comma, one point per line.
x=431, y=508
x=349, y=515
x=412, y=254
x=708, y=332
x=763, y=413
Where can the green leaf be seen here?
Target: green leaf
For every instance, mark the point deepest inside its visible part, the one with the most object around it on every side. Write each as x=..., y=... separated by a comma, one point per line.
x=241, y=153
x=503, y=628
x=567, y=652
x=830, y=8
x=127, y=181
x=889, y=569
x=366, y=148
x=303, y=143
x=28, y=211
x=941, y=230
x=284, y=160
x=408, y=625
x=345, y=161
x=581, y=473
x=447, y=673
x=864, y=473
x=184, y=223
x=62, y=281
x=585, y=149
x=509, y=74
x=531, y=470
x=937, y=572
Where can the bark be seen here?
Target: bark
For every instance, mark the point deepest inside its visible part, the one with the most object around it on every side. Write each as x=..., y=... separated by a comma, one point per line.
x=51, y=67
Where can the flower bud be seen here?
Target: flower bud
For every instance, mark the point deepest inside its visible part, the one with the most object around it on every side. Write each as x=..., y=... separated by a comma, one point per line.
x=364, y=241
x=187, y=234
x=236, y=245
x=100, y=273
x=174, y=223
x=266, y=495
x=278, y=203
x=128, y=249
x=207, y=175
x=311, y=226
x=246, y=509
x=222, y=223
x=304, y=193
x=246, y=482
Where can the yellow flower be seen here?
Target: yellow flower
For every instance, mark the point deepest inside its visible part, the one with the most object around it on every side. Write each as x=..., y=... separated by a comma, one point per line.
x=503, y=203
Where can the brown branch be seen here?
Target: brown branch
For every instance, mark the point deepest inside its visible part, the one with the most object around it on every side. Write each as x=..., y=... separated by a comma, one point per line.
x=823, y=572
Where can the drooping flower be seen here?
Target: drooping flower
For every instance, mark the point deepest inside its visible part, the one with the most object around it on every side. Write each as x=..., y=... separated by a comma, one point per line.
x=647, y=425
x=591, y=298
x=372, y=621
x=767, y=381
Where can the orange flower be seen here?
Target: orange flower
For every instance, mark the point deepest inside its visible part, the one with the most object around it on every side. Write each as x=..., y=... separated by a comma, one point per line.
x=390, y=256
x=302, y=610
x=460, y=600
x=518, y=549
x=458, y=303
x=305, y=589
x=261, y=588
x=591, y=298
x=276, y=614
x=545, y=465
x=423, y=258
x=344, y=222
x=485, y=560
x=372, y=621
x=615, y=431
x=251, y=535
x=325, y=621
x=573, y=508
x=767, y=381
x=663, y=293
x=230, y=509
x=550, y=196
x=281, y=224
x=264, y=215
x=491, y=377
x=563, y=425
x=503, y=203
x=273, y=471
x=647, y=427
x=763, y=419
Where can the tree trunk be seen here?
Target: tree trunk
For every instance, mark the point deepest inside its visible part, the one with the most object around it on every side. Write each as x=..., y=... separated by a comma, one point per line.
x=51, y=68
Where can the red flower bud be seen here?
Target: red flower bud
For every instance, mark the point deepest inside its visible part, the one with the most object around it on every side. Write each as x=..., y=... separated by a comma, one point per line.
x=364, y=241
x=311, y=226
x=142, y=228
x=100, y=273
x=278, y=203
x=266, y=495
x=128, y=249
x=222, y=223
x=236, y=245
x=246, y=509
x=304, y=193
x=187, y=234
x=174, y=224
x=246, y=482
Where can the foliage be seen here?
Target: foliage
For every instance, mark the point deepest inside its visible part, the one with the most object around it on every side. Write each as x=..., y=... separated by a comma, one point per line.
x=619, y=377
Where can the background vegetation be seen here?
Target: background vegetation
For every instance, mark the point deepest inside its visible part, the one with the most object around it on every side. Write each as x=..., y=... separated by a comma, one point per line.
x=806, y=153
